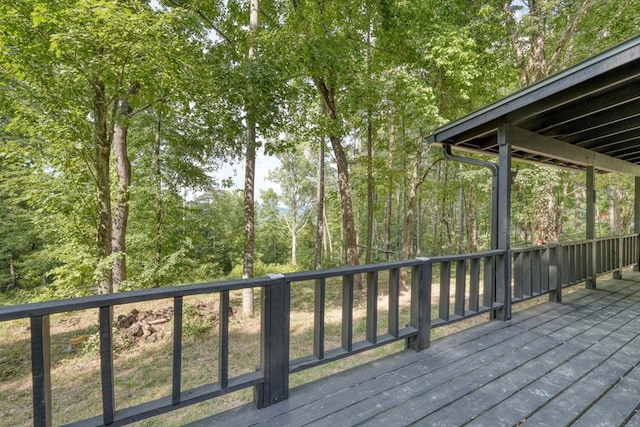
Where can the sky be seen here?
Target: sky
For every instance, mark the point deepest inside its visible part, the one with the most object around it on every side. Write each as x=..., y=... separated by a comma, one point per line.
x=264, y=164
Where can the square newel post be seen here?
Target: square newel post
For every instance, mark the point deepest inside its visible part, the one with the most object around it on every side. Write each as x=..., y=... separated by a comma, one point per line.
x=503, y=263
x=421, y=277
x=274, y=343
x=636, y=223
x=41, y=370
x=591, y=228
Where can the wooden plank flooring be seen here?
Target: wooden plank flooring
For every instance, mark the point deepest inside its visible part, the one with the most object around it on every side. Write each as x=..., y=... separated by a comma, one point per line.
x=575, y=363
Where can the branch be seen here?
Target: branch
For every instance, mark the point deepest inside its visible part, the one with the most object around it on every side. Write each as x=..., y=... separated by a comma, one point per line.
x=568, y=35
x=201, y=14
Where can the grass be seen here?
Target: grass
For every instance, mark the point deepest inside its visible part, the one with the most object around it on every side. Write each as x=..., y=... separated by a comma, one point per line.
x=143, y=372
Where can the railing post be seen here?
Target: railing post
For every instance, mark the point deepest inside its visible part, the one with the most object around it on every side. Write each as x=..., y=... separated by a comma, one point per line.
x=636, y=223
x=421, y=304
x=41, y=370
x=274, y=343
x=503, y=262
x=555, y=273
x=106, y=364
x=592, y=248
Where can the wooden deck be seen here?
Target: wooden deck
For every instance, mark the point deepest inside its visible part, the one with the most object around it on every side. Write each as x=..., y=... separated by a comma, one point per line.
x=574, y=363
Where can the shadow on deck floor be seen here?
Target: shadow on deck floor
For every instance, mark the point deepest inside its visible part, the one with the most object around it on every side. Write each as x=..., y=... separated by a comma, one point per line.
x=574, y=363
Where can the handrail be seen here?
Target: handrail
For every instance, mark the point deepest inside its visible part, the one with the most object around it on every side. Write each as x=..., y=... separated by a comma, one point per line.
x=468, y=286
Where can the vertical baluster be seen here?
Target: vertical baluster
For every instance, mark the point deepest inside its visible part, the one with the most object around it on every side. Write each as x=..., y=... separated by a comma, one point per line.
x=372, y=307
x=223, y=347
x=526, y=274
x=347, y=312
x=544, y=270
x=106, y=364
x=41, y=370
x=566, y=266
x=421, y=276
x=488, y=294
x=445, y=292
x=320, y=290
x=177, y=350
x=474, y=284
x=518, y=278
x=461, y=277
x=394, y=301
x=536, y=272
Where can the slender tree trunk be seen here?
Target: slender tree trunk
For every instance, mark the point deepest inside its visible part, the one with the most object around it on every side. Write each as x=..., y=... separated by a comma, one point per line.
x=12, y=273
x=327, y=232
x=103, y=186
x=389, y=207
x=328, y=98
x=294, y=242
x=157, y=171
x=578, y=207
x=614, y=209
x=123, y=171
x=370, y=182
x=319, y=206
x=249, y=179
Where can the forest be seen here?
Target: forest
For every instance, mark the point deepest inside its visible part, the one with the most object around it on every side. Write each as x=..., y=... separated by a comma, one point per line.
x=116, y=117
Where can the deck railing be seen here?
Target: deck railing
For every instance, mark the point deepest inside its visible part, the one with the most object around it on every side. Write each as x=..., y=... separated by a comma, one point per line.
x=442, y=290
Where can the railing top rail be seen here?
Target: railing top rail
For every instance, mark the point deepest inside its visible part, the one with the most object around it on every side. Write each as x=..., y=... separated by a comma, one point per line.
x=97, y=301
x=347, y=270
x=461, y=257
x=569, y=243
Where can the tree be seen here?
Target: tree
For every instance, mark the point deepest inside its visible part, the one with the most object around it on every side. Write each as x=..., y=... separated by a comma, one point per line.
x=80, y=74
x=295, y=177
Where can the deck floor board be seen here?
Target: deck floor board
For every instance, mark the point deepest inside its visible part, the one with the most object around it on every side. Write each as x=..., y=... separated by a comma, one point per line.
x=574, y=363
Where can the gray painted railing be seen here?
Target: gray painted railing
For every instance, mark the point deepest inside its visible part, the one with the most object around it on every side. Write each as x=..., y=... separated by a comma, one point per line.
x=465, y=286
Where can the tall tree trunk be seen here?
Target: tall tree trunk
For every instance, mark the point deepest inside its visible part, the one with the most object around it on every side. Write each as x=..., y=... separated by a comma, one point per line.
x=249, y=178
x=579, y=191
x=328, y=98
x=370, y=182
x=157, y=172
x=389, y=204
x=103, y=187
x=345, y=199
x=319, y=206
x=123, y=172
x=12, y=274
x=614, y=209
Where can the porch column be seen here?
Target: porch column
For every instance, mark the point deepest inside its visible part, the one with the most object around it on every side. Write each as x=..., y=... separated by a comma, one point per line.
x=503, y=216
x=591, y=228
x=636, y=222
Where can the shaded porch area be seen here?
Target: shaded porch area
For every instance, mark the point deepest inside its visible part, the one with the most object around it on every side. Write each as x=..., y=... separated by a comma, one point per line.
x=574, y=363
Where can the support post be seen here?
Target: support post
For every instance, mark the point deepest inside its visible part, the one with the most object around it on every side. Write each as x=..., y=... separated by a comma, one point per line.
x=421, y=304
x=636, y=222
x=591, y=228
x=503, y=264
x=106, y=364
x=41, y=370
x=274, y=343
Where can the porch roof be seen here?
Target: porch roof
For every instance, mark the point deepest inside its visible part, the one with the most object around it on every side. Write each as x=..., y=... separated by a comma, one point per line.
x=587, y=115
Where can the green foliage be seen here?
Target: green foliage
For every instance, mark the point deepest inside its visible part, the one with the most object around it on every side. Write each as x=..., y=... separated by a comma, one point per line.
x=402, y=68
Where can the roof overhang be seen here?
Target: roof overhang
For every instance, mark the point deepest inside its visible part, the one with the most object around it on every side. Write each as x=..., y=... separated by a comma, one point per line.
x=587, y=115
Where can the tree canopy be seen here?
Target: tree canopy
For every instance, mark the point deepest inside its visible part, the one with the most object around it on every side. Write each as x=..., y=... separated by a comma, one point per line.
x=115, y=117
